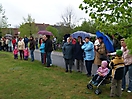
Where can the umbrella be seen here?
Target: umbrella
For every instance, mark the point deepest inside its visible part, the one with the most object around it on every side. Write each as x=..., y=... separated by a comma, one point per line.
x=45, y=32
x=107, y=41
x=8, y=35
x=80, y=33
x=10, y=38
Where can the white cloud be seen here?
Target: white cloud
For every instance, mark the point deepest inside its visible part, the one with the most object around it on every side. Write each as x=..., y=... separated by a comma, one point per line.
x=43, y=11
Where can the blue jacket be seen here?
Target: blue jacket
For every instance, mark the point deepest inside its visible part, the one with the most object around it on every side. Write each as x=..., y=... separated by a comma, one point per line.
x=88, y=50
x=67, y=50
x=42, y=48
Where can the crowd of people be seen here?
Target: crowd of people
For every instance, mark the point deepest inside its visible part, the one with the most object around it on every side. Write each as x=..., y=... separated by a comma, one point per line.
x=81, y=53
x=85, y=51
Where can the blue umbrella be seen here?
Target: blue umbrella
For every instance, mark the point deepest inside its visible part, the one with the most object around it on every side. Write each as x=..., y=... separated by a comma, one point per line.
x=108, y=43
x=80, y=33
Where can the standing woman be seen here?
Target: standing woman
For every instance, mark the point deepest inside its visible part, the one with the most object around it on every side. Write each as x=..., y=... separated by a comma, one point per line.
x=42, y=51
x=21, y=47
x=99, y=50
x=88, y=48
x=32, y=47
x=68, y=54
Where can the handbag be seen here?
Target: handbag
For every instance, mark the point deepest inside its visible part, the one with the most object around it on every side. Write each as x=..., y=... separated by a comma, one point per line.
x=103, y=57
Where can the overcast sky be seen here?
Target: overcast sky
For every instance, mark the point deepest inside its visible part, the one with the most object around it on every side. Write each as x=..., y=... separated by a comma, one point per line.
x=43, y=11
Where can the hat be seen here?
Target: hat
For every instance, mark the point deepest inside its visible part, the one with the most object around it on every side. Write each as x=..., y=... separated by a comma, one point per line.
x=96, y=42
x=104, y=63
x=119, y=53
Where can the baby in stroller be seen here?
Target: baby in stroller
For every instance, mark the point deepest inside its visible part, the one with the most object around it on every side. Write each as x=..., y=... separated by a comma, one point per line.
x=101, y=73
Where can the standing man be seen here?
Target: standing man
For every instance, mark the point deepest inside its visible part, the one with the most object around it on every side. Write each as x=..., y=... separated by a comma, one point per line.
x=26, y=41
x=78, y=54
x=68, y=54
x=48, y=50
x=32, y=47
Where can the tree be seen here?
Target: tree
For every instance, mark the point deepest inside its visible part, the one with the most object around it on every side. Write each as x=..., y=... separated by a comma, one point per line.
x=87, y=26
x=28, y=27
x=107, y=12
x=53, y=30
x=112, y=16
x=68, y=17
x=3, y=20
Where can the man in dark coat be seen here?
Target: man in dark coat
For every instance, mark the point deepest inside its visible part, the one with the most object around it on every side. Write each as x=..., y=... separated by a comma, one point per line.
x=78, y=54
x=48, y=50
x=32, y=47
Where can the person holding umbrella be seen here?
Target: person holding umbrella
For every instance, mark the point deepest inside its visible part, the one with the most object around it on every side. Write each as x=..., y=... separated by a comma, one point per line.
x=48, y=50
x=100, y=50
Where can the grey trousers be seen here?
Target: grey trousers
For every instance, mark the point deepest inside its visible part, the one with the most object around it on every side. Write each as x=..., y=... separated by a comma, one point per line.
x=80, y=65
x=70, y=63
x=116, y=88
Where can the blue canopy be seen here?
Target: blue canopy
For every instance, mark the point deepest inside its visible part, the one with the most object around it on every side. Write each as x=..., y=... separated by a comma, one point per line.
x=80, y=33
x=107, y=41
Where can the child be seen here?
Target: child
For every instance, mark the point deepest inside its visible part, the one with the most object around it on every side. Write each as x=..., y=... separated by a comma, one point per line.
x=117, y=65
x=42, y=51
x=15, y=52
x=101, y=72
x=26, y=53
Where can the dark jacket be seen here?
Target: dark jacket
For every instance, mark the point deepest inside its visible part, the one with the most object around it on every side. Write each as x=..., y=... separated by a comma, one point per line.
x=48, y=46
x=32, y=45
x=78, y=52
x=67, y=50
x=117, y=65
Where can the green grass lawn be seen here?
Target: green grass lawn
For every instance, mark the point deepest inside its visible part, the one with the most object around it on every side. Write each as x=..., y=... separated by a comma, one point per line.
x=21, y=79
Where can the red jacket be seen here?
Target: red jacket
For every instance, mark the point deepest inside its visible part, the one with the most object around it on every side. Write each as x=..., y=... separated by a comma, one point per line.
x=13, y=41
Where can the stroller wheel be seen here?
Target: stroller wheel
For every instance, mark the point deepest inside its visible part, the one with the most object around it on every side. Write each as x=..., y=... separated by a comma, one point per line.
x=97, y=91
x=89, y=86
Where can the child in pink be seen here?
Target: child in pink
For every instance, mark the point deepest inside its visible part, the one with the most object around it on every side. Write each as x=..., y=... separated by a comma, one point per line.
x=101, y=72
x=26, y=53
x=15, y=52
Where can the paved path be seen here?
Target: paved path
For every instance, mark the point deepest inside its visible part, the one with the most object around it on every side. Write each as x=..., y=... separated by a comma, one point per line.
x=57, y=59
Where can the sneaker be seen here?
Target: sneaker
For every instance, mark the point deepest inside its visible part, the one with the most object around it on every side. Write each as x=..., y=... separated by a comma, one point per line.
x=122, y=89
x=129, y=91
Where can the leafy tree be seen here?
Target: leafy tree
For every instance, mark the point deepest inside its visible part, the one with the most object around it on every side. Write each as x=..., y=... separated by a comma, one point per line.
x=3, y=20
x=28, y=27
x=112, y=16
x=87, y=26
x=53, y=30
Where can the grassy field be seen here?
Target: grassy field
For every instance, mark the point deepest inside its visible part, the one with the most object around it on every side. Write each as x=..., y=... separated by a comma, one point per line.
x=21, y=79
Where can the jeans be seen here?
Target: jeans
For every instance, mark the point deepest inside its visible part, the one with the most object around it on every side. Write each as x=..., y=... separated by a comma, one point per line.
x=15, y=56
x=32, y=54
x=42, y=58
x=48, y=55
x=25, y=57
x=126, y=69
x=88, y=64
